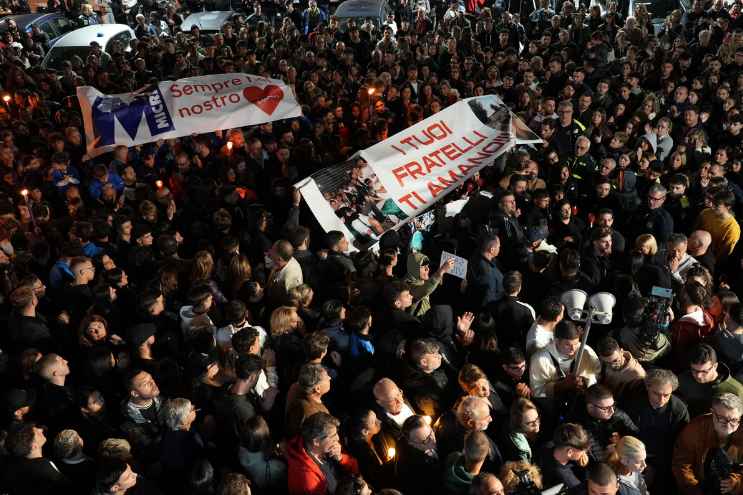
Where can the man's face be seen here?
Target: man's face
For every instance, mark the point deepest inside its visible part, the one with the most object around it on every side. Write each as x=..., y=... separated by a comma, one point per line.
x=145, y=387
x=423, y=438
x=677, y=190
x=404, y=300
x=566, y=115
x=655, y=199
x=425, y=271
x=603, y=190
x=596, y=489
x=691, y=118
x=726, y=421
x=508, y=204
x=391, y=400
x=61, y=366
x=659, y=395
x=567, y=347
x=430, y=362
x=678, y=250
x=704, y=372
x=614, y=361
x=584, y=103
x=603, y=245
x=602, y=409
x=324, y=385
x=330, y=440
x=680, y=94
x=515, y=370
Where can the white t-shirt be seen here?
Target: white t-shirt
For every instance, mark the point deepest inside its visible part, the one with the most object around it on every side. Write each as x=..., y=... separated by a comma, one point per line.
x=224, y=334
x=537, y=338
x=404, y=414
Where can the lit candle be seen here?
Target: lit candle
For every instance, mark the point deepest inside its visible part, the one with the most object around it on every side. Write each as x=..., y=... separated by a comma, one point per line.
x=391, y=453
x=229, y=146
x=159, y=184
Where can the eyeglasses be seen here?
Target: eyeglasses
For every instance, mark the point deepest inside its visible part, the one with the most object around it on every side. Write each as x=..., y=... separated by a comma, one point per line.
x=533, y=423
x=725, y=421
x=659, y=198
x=695, y=371
x=606, y=409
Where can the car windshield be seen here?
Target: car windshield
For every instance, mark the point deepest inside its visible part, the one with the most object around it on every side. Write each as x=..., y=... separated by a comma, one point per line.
x=58, y=55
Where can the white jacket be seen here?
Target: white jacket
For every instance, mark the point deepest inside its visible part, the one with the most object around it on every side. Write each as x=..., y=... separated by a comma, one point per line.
x=543, y=373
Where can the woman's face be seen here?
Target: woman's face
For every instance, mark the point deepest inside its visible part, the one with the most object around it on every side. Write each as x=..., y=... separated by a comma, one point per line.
x=96, y=331
x=646, y=249
x=373, y=424
x=635, y=464
x=481, y=388
x=564, y=174
x=530, y=421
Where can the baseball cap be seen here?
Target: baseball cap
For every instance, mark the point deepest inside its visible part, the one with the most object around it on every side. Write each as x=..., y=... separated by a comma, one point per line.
x=16, y=398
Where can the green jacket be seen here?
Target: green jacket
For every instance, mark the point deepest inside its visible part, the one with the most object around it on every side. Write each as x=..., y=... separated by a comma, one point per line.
x=420, y=289
x=457, y=480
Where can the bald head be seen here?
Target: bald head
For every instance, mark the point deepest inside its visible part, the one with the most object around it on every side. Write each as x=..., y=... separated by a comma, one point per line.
x=388, y=395
x=474, y=413
x=699, y=242
x=485, y=484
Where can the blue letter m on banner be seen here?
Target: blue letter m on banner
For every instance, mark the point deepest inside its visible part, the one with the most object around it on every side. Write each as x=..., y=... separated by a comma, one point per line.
x=108, y=109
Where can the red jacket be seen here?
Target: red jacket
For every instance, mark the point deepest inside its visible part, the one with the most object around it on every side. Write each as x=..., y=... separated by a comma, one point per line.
x=305, y=476
x=687, y=332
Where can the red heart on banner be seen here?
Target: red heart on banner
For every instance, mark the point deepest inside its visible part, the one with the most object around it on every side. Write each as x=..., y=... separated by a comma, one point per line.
x=267, y=99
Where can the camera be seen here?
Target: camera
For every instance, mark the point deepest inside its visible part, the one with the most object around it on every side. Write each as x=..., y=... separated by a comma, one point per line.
x=656, y=317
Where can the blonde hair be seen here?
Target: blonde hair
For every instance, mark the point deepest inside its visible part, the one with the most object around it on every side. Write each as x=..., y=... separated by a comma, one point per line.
x=627, y=447
x=647, y=240
x=281, y=320
x=301, y=295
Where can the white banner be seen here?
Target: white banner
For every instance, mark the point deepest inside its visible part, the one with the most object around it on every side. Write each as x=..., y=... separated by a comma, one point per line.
x=180, y=108
x=390, y=183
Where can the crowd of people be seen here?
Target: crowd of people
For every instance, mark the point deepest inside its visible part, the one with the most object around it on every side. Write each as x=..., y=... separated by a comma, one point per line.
x=176, y=321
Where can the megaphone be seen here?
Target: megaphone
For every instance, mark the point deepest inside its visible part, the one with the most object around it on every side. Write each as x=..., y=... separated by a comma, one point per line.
x=574, y=300
x=602, y=304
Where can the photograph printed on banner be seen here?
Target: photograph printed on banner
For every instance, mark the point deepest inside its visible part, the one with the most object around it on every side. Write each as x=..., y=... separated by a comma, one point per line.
x=496, y=115
x=358, y=198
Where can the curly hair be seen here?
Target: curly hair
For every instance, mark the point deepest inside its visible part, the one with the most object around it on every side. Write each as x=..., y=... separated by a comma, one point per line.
x=512, y=473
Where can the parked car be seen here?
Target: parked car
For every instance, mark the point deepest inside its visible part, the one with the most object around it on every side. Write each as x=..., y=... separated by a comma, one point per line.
x=54, y=25
x=78, y=42
x=375, y=11
x=208, y=22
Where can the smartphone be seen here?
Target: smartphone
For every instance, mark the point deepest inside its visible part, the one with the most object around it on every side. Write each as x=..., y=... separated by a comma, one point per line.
x=661, y=292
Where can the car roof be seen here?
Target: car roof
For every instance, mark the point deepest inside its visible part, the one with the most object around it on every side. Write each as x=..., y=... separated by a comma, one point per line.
x=24, y=20
x=360, y=8
x=101, y=33
x=207, y=21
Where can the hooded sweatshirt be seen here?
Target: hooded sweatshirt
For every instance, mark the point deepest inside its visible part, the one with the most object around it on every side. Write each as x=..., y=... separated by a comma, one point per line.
x=652, y=139
x=698, y=396
x=420, y=289
x=690, y=330
x=457, y=480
